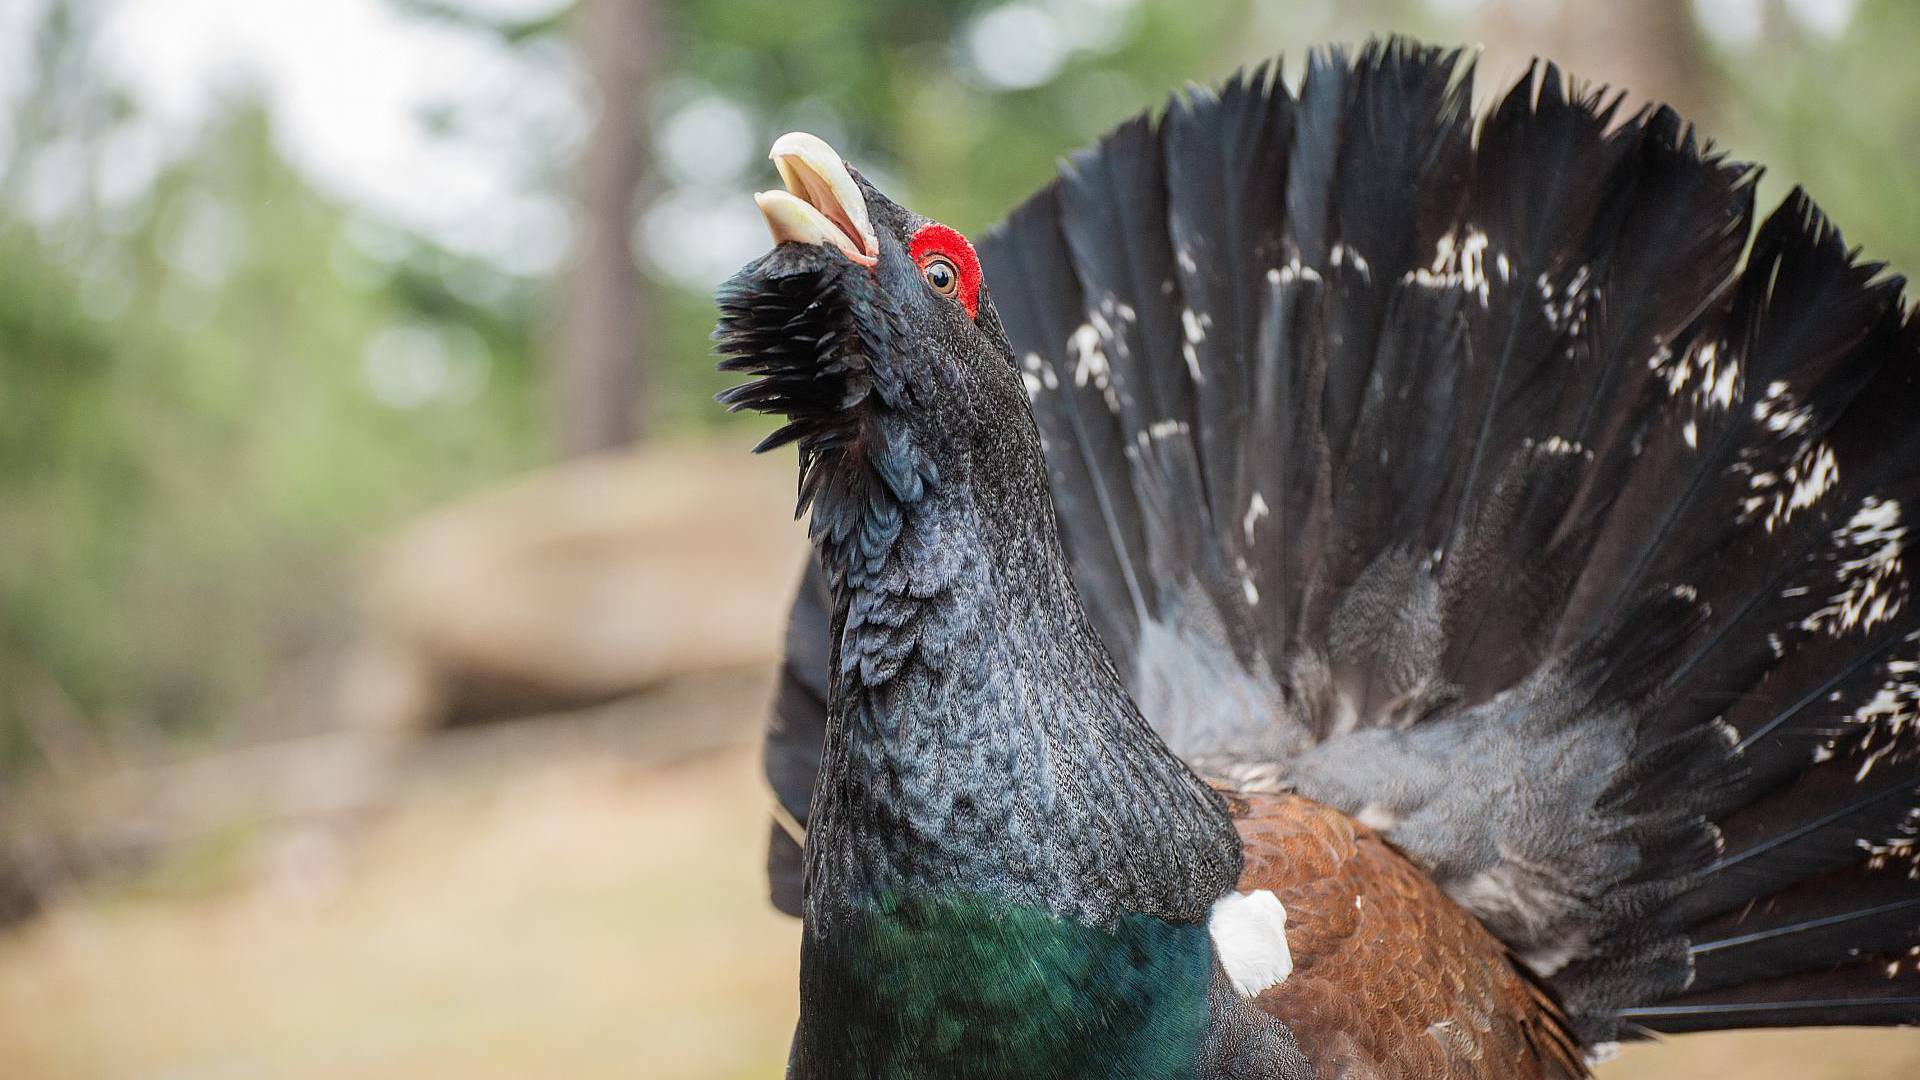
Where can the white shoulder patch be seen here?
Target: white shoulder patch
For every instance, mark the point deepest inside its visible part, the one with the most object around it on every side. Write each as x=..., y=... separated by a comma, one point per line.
x=1250, y=935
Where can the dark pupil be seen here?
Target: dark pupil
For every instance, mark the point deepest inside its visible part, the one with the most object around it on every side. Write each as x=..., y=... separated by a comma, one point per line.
x=940, y=276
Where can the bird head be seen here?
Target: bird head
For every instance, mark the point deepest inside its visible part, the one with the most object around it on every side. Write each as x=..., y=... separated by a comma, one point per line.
x=870, y=329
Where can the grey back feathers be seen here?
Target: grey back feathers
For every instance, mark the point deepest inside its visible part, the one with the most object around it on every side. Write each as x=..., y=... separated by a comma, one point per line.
x=1465, y=476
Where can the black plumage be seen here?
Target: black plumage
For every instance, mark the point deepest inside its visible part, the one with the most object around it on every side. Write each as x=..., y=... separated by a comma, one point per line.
x=1490, y=483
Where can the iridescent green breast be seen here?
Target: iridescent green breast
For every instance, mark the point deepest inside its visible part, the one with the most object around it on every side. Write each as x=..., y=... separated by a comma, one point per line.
x=963, y=986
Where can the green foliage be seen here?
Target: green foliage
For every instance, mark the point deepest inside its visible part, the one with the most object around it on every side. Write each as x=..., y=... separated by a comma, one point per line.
x=891, y=76
x=192, y=448
x=1840, y=118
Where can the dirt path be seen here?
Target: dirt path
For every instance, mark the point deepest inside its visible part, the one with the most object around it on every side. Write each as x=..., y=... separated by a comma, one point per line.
x=523, y=911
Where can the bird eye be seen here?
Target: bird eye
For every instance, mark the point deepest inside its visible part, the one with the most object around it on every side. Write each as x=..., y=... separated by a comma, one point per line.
x=941, y=275
x=948, y=265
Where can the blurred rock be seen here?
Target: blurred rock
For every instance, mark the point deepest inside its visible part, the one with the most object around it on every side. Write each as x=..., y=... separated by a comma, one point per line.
x=666, y=571
x=580, y=583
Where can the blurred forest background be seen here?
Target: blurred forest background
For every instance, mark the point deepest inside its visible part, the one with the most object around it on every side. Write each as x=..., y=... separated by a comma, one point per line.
x=354, y=383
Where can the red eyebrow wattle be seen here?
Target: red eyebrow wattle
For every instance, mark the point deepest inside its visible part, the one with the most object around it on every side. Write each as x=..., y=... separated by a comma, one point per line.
x=937, y=239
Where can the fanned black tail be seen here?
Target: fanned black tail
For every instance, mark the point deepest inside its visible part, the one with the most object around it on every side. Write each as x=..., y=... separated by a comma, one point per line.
x=1466, y=477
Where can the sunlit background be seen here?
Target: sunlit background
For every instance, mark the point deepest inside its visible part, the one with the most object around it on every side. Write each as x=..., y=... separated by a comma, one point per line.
x=386, y=611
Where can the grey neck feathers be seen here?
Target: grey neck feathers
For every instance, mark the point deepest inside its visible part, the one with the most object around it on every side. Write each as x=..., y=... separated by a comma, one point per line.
x=979, y=737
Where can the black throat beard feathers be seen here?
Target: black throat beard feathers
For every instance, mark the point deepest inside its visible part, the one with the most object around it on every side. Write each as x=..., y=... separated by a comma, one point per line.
x=823, y=343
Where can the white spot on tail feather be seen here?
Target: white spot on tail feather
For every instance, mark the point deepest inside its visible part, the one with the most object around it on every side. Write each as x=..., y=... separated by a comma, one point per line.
x=1727, y=732
x=1295, y=270
x=1707, y=373
x=1112, y=307
x=1256, y=509
x=1036, y=366
x=1090, y=366
x=1195, y=327
x=1461, y=264
x=1869, y=582
x=1812, y=482
x=1721, y=394
x=1250, y=936
x=1778, y=412
x=1342, y=255
x=1560, y=447
x=1780, y=495
x=1089, y=359
x=1895, y=850
x=1566, y=308
x=1034, y=374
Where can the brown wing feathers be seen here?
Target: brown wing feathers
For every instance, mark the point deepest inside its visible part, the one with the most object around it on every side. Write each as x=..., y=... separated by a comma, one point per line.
x=1390, y=977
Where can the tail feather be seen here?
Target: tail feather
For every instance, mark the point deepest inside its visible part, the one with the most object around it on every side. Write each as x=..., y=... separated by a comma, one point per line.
x=1867, y=991
x=1815, y=826
x=1541, y=172
x=1289, y=467
x=1823, y=922
x=1080, y=434
x=1407, y=130
x=1226, y=154
x=1282, y=501
x=1312, y=174
x=1114, y=217
x=795, y=729
x=1676, y=223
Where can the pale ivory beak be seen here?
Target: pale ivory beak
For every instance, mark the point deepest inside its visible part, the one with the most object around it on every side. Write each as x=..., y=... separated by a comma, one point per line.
x=822, y=204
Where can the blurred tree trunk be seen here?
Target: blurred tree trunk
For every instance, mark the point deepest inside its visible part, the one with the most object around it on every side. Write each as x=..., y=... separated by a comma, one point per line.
x=1649, y=48
x=598, y=382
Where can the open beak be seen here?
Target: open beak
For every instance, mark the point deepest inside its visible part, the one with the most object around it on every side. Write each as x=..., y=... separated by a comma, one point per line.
x=822, y=204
